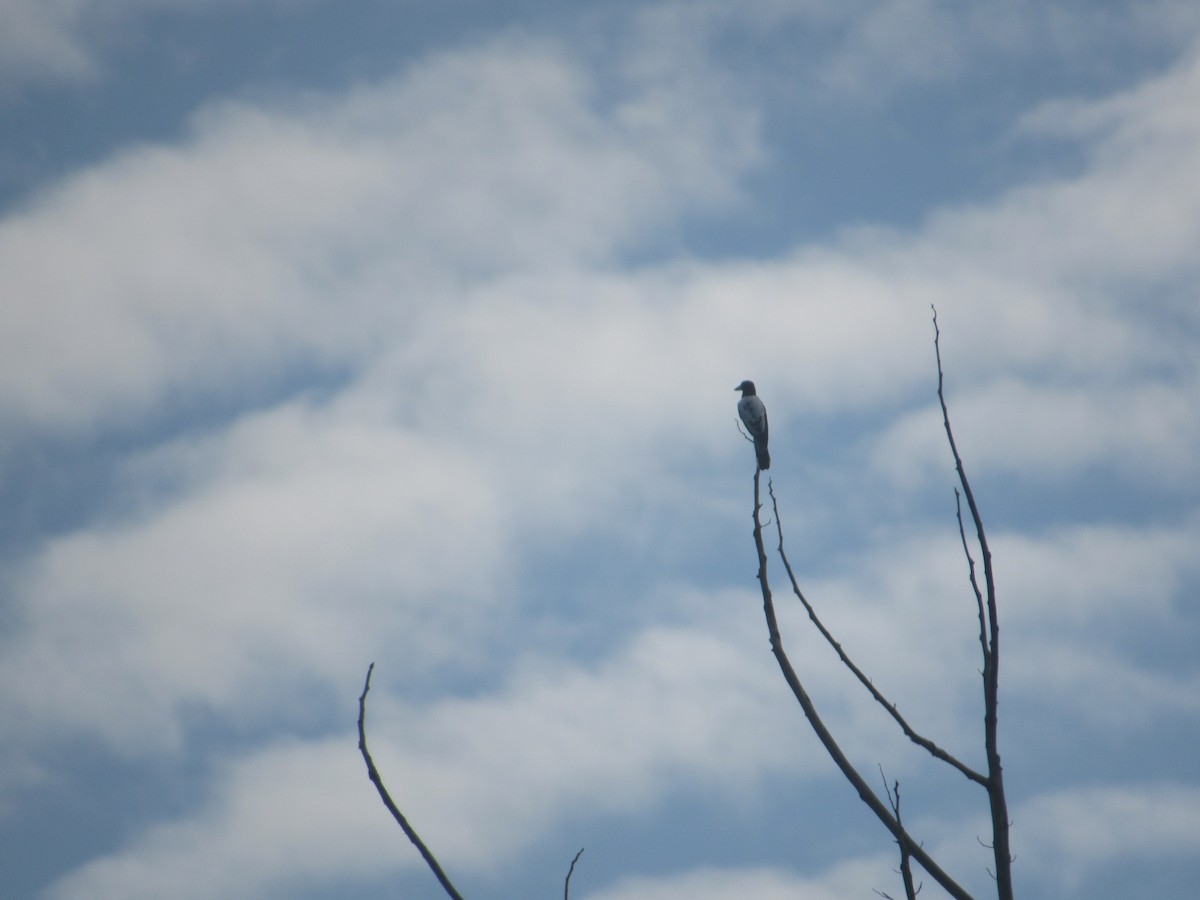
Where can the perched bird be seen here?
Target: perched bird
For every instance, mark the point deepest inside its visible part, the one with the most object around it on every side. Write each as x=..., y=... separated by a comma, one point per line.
x=754, y=417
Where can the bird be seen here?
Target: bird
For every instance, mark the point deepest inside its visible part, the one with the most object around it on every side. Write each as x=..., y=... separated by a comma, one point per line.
x=754, y=417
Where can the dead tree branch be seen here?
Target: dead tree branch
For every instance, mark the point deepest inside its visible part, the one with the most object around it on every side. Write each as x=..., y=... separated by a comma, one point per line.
x=962, y=534
x=918, y=739
x=373, y=774
x=868, y=796
x=990, y=641
x=570, y=872
x=989, y=631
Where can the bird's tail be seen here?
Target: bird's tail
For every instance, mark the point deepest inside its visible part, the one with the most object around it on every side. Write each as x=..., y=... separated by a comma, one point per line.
x=764, y=458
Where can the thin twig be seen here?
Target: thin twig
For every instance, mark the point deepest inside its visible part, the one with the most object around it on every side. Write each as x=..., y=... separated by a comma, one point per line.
x=373, y=774
x=570, y=872
x=743, y=431
x=893, y=795
x=962, y=534
x=866, y=682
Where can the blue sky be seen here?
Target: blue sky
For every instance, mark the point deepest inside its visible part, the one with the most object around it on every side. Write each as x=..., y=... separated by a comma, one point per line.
x=388, y=333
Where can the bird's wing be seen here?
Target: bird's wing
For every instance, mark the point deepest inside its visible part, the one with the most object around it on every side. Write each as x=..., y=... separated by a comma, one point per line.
x=754, y=415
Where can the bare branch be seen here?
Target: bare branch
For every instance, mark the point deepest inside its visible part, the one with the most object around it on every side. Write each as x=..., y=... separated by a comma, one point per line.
x=976, y=518
x=373, y=774
x=851, y=774
x=990, y=639
x=570, y=872
x=962, y=533
x=741, y=430
x=866, y=682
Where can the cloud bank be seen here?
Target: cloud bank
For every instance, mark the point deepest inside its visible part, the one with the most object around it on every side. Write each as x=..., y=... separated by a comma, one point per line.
x=423, y=372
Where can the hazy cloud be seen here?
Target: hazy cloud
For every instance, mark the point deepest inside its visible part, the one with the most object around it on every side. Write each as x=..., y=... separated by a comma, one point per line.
x=450, y=332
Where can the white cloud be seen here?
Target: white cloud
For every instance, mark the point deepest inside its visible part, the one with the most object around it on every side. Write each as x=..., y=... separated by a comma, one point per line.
x=451, y=240
x=336, y=229
x=864, y=52
x=67, y=40
x=1100, y=685
x=849, y=879
x=1143, y=432
x=1058, y=838
x=1133, y=214
x=37, y=39
x=1075, y=601
x=1092, y=576
x=892, y=43
x=1066, y=835
x=304, y=536
x=283, y=817
x=1077, y=293
x=675, y=705
x=273, y=236
x=1071, y=598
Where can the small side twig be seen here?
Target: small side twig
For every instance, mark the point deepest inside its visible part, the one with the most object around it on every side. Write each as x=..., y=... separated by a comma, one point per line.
x=373, y=774
x=962, y=534
x=910, y=888
x=570, y=872
x=742, y=431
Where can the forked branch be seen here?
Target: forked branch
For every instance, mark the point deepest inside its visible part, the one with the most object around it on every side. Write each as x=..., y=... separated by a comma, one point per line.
x=868, y=796
x=989, y=638
x=918, y=739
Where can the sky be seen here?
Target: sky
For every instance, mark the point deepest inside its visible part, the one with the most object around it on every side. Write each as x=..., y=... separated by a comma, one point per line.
x=407, y=334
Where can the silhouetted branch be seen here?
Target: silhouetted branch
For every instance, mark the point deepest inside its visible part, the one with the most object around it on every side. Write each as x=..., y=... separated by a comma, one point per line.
x=742, y=431
x=866, y=682
x=851, y=774
x=570, y=872
x=962, y=534
x=373, y=774
x=990, y=639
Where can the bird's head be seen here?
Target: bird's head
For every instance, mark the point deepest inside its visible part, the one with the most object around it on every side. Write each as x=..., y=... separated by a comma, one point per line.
x=747, y=388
